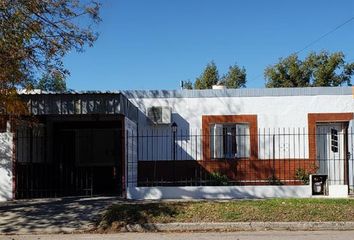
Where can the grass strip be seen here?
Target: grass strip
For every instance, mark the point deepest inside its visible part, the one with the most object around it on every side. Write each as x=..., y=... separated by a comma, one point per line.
x=270, y=210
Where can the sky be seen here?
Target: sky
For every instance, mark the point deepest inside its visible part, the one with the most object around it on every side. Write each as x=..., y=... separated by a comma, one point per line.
x=155, y=44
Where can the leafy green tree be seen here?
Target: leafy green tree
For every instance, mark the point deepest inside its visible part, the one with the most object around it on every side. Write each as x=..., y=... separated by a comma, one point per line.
x=52, y=82
x=208, y=78
x=35, y=36
x=235, y=78
x=330, y=69
x=322, y=69
x=187, y=85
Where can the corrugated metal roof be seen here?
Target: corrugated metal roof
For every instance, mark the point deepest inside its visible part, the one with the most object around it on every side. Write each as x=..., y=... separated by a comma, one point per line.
x=69, y=92
x=73, y=103
x=208, y=93
x=244, y=92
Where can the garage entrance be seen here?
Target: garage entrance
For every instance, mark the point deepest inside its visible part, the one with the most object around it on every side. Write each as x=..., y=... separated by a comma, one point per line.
x=69, y=156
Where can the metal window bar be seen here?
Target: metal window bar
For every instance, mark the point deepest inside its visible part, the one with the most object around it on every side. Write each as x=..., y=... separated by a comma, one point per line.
x=283, y=158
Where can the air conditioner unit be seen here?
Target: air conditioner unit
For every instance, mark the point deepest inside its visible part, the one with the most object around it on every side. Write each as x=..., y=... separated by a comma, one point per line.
x=159, y=115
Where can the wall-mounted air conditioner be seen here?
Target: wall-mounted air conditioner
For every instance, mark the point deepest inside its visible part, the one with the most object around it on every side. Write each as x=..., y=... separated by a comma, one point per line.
x=159, y=115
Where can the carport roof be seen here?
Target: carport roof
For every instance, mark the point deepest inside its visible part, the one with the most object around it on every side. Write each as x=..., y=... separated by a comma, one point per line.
x=74, y=103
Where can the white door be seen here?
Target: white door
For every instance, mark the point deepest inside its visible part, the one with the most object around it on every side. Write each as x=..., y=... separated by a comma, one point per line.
x=330, y=151
x=351, y=156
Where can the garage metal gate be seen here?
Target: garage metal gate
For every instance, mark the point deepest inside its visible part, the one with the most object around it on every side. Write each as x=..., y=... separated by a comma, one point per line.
x=72, y=161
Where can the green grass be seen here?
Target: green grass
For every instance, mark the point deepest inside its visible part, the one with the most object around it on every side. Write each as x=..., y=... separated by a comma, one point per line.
x=273, y=210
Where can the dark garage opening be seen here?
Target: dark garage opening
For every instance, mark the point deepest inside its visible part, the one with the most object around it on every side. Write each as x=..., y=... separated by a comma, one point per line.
x=62, y=156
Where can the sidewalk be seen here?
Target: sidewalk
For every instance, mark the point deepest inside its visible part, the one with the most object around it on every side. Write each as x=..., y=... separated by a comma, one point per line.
x=60, y=215
x=77, y=215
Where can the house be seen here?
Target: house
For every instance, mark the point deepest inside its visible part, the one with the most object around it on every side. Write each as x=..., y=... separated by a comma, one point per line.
x=218, y=143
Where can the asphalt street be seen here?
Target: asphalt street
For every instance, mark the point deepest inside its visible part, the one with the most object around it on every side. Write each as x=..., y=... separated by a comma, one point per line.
x=264, y=235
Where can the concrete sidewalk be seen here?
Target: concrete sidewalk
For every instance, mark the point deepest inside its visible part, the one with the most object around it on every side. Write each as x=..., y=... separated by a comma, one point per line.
x=52, y=215
x=75, y=215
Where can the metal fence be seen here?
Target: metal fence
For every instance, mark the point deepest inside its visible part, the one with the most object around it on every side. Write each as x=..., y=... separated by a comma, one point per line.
x=83, y=162
x=227, y=155
x=42, y=180
x=231, y=155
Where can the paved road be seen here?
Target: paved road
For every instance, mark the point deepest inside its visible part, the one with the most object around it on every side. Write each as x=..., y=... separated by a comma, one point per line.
x=51, y=215
x=269, y=235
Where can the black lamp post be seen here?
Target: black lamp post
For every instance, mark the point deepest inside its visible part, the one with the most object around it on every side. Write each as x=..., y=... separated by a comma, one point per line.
x=174, y=130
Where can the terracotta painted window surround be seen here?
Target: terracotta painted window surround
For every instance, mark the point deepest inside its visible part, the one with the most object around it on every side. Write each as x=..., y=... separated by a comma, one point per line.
x=251, y=120
x=314, y=118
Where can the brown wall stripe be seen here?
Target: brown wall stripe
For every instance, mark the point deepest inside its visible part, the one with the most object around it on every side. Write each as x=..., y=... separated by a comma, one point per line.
x=211, y=119
x=314, y=118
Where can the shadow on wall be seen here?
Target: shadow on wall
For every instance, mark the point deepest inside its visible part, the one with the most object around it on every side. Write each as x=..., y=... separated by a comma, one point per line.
x=156, y=141
x=202, y=192
x=183, y=126
x=238, y=172
x=5, y=166
x=187, y=172
x=220, y=192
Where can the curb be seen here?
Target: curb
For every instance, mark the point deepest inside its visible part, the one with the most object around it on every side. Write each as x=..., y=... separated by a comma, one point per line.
x=45, y=230
x=196, y=227
x=239, y=226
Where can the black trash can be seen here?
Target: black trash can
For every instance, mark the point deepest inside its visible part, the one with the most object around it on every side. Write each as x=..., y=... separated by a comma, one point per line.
x=319, y=184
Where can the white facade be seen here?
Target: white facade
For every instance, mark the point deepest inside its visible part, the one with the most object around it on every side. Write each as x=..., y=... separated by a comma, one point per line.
x=275, y=115
x=281, y=113
x=272, y=112
x=278, y=111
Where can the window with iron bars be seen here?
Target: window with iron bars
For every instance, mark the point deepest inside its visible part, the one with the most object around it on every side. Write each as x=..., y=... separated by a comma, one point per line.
x=231, y=140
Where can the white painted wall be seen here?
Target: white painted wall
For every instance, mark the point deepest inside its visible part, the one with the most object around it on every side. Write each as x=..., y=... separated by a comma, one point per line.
x=219, y=192
x=6, y=151
x=338, y=191
x=273, y=112
x=276, y=115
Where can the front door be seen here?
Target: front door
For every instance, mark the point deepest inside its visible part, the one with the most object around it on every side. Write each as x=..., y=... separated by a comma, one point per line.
x=331, y=157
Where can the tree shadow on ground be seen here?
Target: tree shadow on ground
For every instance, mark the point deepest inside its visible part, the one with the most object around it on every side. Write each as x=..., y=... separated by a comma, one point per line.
x=122, y=215
x=52, y=215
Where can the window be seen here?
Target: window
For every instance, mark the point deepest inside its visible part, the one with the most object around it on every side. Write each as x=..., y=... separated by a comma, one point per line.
x=231, y=140
x=334, y=140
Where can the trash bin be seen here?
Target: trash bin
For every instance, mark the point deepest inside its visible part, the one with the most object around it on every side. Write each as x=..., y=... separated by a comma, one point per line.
x=319, y=184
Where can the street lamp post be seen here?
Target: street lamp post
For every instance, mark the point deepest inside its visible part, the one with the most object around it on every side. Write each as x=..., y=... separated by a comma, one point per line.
x=174, y=130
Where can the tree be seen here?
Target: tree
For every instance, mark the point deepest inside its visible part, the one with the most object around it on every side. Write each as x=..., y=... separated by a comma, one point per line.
x=35, y=36
x=235, y=78
x=187, y=85
x=330, y=69
x=322, y=69
x=52, y=82
x=208, y=78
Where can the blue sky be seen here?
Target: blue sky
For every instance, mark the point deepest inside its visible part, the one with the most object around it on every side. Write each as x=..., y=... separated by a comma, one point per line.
x=154, y=44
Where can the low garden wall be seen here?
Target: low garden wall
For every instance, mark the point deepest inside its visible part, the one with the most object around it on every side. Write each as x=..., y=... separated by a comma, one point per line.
x=219, y=192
